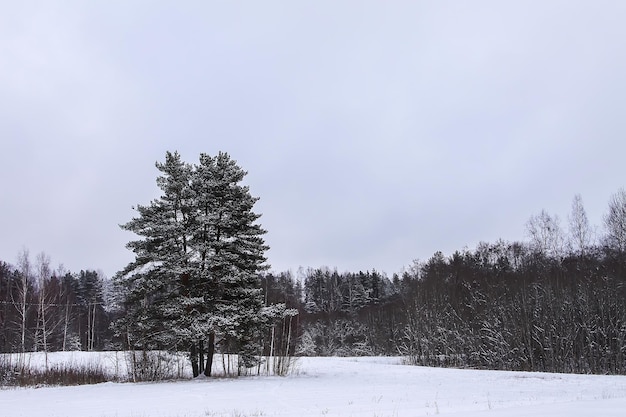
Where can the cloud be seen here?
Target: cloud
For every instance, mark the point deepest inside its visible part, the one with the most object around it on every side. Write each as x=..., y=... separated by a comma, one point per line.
x=373, y=133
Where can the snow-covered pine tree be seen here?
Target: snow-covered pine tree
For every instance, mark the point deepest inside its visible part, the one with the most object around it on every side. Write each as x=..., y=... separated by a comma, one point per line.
x=194, y=280
x=148, y=288
x=230, y=255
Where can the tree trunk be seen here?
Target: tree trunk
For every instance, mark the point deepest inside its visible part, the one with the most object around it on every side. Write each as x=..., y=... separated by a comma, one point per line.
x=201, y=356
x=65, y=325
x=193, y=355
x=209, y=354
x=88, y=327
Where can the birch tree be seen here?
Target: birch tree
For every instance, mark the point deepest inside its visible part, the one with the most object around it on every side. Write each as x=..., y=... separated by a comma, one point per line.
x=579, y=230
x=615, y=221
x=546, y=234
x=42, y=265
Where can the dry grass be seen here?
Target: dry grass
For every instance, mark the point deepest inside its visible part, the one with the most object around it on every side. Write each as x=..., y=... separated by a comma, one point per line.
x=14, y=374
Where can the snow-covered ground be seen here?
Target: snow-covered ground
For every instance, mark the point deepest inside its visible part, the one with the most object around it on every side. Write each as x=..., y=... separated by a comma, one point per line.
x=372, y=387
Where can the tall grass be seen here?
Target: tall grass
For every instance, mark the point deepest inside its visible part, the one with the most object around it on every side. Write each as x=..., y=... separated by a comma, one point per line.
x=28, y=369
x=18, y=373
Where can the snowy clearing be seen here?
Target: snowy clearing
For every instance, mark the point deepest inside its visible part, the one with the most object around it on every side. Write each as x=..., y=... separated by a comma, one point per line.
x=371, y=386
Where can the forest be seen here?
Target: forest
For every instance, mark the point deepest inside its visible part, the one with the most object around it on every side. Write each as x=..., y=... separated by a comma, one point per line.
x=52, y=310
x=556, y=302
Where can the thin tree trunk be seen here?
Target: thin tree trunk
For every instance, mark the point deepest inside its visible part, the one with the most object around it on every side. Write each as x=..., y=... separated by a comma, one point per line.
x=65, y=325
x=287, y=352
x=271, y=353
x=23, y=316
x=37, y=340
x=44, y=329
x=209, y=354
x=201, y=356
x=93, y=328
x=88, y=327
x=133, y=357
x=193, y=355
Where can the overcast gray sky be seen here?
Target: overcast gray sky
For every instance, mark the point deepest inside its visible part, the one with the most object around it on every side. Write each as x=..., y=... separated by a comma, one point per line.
x=374, y=132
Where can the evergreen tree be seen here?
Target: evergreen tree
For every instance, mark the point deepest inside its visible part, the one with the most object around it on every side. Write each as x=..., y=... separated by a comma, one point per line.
x=194, y=281
x=149, y=285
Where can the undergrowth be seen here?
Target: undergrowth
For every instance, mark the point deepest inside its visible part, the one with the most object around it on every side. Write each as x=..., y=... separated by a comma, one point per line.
x=20, y=375
x=16, y=370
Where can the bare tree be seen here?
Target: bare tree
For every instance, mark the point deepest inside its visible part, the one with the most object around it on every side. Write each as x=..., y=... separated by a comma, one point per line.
x=44, y=327
x=615, y=221
x=580, y=233
x=65, y=295
x=546, y=234
x=20, y=301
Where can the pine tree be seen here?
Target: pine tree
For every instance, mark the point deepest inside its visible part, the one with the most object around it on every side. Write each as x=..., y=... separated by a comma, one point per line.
x=230, y=252
x=149, y=285
x=194, y=281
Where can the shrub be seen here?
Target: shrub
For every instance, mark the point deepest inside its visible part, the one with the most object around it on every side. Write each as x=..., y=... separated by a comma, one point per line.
x=153, y=366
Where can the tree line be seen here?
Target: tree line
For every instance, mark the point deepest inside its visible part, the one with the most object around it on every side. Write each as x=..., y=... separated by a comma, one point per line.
x=42, y=309
x=556, y=302
x=199, y=284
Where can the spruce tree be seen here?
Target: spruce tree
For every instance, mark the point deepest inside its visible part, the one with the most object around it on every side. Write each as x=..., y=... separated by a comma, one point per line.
x=194, y=281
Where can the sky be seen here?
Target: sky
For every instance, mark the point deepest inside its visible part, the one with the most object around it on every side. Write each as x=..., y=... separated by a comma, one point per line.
x=375, y=133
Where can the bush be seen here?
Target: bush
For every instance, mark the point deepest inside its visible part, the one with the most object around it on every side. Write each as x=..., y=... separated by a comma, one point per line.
x=153, y=366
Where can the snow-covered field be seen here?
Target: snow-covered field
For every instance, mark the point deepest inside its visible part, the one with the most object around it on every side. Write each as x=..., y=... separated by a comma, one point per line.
x=372, y=387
